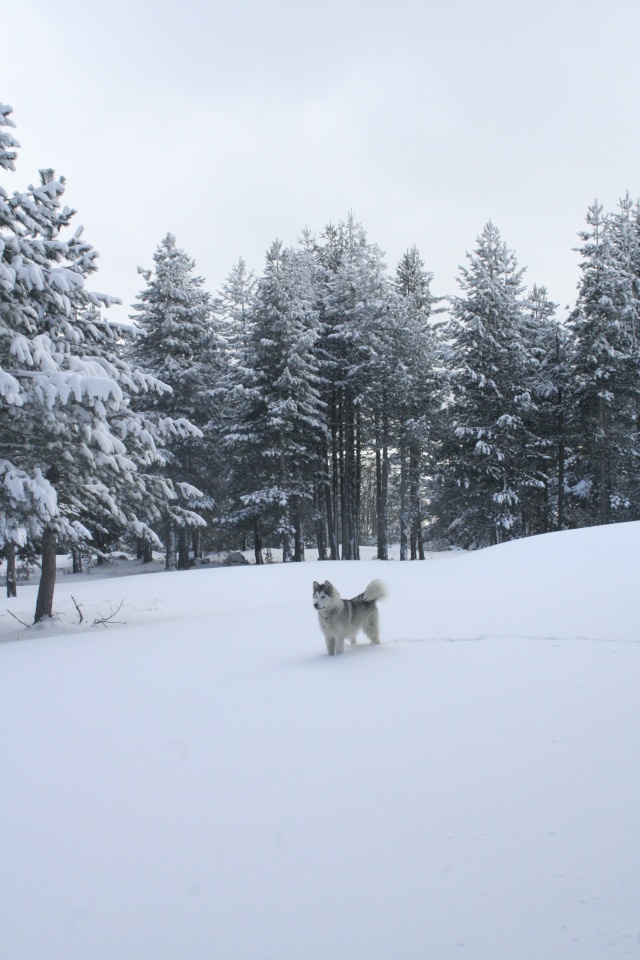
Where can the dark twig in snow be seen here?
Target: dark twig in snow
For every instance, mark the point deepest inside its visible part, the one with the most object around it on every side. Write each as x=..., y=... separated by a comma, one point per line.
x=18, y=619
x=109, y=619
x=78, y=609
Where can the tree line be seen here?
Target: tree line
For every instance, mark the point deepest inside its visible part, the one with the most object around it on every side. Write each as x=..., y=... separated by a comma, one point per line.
x=326, y=401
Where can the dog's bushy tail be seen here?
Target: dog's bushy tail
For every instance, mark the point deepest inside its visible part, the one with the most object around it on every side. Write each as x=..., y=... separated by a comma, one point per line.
x=376, y=590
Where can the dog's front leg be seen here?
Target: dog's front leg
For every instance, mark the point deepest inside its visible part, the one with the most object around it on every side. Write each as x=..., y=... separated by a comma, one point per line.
x=331, y=645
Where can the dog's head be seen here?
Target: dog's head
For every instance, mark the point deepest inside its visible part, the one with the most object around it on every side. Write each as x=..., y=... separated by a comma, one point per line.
x=323, y=595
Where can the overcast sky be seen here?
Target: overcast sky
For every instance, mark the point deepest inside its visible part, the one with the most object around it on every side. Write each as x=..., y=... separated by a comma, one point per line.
x=232, y=123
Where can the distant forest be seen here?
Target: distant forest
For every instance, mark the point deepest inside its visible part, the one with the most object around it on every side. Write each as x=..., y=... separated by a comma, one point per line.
x=326, y=402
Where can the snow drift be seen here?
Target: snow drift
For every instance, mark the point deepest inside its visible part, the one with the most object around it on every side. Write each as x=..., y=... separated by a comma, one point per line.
x=201, y=781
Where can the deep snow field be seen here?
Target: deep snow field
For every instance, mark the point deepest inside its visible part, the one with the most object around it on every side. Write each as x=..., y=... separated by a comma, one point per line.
x=200, y=781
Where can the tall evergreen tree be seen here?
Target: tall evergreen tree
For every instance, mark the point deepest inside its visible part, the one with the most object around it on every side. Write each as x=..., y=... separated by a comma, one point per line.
x=413, y=393
x=482, y=477
x=546, y=449
x=234, y=303
x=624, y=229
x=279, y=424
x=72, y=453
x=604, y=371
x=180, y=341
x=354, y=300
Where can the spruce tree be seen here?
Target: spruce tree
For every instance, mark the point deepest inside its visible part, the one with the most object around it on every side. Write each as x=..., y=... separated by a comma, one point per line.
x=180, y=342
x=233, y=306
x=278, y=429
x=412, y=389
x=73, y=454
x=482, y=474
x=546, y=449
x=354, y=302
x=604, y=370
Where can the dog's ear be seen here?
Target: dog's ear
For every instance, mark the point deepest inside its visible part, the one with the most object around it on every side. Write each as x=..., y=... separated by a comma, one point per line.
x=328, y=587
x=316, y=586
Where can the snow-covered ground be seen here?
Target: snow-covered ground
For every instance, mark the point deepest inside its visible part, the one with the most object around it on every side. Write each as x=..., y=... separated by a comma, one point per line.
x=199, y=781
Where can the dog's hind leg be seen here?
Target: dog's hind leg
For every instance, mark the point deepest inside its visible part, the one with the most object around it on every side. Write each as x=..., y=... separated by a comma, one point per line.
x=372, y=627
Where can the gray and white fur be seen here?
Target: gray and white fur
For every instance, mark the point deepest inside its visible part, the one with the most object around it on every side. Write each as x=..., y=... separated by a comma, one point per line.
x=341, y=620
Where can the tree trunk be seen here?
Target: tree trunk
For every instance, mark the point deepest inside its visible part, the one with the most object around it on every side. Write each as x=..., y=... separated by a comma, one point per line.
x=257, y=543
x=404, y=538
x=379, y=514
x=357, y=485
x=12, y=577
x=350, y=479
x=170, y=546
x=560, y=462
x=420, y=537
x=417, y=545
x=44, y=602
x=330, y=496
x=147, y=552
x=99, y=542
x=286, y=540
x=411, y=485
x=320, y=525
x=298, y=543
x=336, y=484
x=382, y=490
x=76, y=559
x=196, y=543
x=183, y=549
x=603, y=499
x=343, y=445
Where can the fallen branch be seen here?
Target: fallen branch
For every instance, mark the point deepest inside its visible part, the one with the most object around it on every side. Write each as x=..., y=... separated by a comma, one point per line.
x=78, y=609
x=109, y=619
x=18, y=619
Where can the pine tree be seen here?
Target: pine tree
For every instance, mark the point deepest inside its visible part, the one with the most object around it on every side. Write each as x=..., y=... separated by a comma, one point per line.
x=624, y=229
x=605, y=368
x=413, y=393
x=72, y=452
x=546, y=449
x=279, y=416
x=482, y=477
x=233, y=305
x=354, y=303
x=180, y=341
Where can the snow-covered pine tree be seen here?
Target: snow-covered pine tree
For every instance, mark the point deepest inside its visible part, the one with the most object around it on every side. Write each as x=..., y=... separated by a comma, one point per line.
x=71, y=450
x=180, y=341
x=624, y=228
x=233, y=305
x=354, y=302
x=276, y=433
x=635, y=337
x=413, y=393
x=232, y=308
x=546, y=449
x=482, y=480
x=605, y=368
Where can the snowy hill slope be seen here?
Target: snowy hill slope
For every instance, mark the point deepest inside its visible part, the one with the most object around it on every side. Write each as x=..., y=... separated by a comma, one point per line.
x=202, y=781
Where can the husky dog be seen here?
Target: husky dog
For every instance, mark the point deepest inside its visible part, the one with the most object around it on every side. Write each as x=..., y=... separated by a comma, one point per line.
x=341, y=620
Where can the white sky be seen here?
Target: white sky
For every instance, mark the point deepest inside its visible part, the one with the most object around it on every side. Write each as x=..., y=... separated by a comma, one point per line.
x=233, y=123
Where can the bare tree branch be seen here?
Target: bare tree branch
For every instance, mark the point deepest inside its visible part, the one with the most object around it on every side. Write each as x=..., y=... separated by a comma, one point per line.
x=18, y=619
x=109, y=619
x=78, y=609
